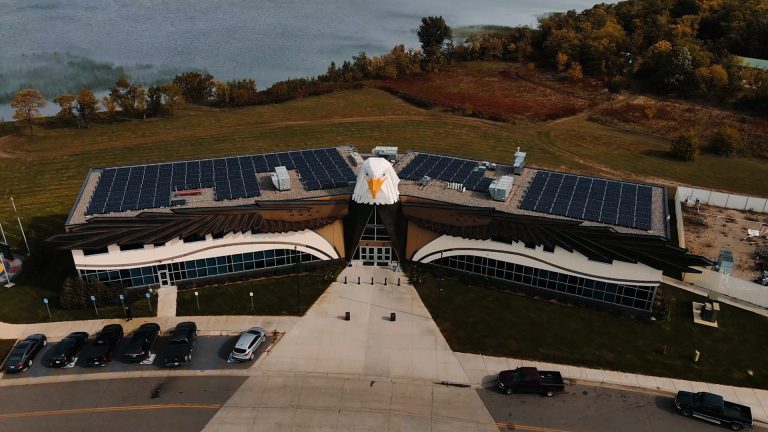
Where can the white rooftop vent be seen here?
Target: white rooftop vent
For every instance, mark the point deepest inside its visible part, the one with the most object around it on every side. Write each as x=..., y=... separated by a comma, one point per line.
x=501, y=188
x=280, y=179
x=519, y=164
x=388, y=153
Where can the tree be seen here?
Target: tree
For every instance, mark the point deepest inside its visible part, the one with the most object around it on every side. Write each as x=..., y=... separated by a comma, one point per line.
x=574, y=71
x=196, y=87
x=73, y=294
x=27, y=104
x=130, y=97
x=562, y=61
x=172, y=96
x=109, y=104
x=86, y=105
x=66, y=103
x=435, y=37
x=711, y=80
x=727, y=141
x=685, y=146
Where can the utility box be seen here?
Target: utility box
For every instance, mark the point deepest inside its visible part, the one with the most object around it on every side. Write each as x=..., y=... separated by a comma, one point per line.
x=519, y=164
x=388, y=153
x=280, y=179
x=501, y=188
x=710, y=311
x=724, y=262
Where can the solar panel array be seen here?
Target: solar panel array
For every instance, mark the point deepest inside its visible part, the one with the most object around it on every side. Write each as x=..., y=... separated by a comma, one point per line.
x=150, y=186
x=587, y=198
x=447, y=169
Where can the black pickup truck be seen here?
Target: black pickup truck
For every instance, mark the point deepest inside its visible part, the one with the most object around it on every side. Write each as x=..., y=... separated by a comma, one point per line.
x=181, y=345
x=99, y=352
x=530, y=380
x=712, y=408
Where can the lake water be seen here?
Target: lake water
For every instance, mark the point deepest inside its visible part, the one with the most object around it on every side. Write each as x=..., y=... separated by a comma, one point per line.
x=266, y=40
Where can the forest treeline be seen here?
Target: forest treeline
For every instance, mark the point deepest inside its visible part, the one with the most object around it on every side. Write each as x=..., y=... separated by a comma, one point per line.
x=684, y=48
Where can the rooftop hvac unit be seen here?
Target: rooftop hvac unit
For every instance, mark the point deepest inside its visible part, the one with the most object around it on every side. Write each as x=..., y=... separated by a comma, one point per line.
x=389, y=153
x=519, y=163
x=501, y=188
x=280, y=179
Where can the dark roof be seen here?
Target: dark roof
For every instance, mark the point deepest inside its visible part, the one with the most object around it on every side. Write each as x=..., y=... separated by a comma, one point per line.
x=599, y=243
x=151, y=227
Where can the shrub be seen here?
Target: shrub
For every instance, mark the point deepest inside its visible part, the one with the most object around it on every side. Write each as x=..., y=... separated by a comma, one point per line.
x=685, y=146
x=727, y=141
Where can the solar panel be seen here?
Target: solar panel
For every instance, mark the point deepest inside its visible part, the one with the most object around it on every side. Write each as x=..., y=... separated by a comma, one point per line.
x=588, y=198
x=150, y=186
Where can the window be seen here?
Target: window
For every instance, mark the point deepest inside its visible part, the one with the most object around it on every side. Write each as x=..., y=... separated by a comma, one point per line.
x=132, y=246
x=217, y=236
x=637, y=297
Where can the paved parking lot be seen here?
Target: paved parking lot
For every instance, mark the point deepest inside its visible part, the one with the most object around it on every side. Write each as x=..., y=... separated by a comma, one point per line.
x=210, y=353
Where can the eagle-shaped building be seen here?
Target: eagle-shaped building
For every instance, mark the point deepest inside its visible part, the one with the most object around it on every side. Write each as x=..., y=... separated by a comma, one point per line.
x=596, y=240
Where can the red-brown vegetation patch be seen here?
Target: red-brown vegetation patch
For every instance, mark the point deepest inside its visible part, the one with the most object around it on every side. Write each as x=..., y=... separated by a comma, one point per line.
x=490, y=90
x=668, y=118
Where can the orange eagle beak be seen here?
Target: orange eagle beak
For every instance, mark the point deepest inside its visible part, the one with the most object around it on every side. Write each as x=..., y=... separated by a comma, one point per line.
x=374, y=185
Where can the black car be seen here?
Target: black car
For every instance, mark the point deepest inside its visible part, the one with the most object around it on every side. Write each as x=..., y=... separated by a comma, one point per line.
x=99, y=352
x=182, y=344
x=140, y=345
x=24, y=352
x=65, y=352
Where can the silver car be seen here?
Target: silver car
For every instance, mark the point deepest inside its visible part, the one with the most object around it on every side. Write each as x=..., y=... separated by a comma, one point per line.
x=247, y=344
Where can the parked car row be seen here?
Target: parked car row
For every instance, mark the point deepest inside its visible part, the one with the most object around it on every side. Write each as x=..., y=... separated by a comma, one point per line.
x=101, y=349
x=705, y=406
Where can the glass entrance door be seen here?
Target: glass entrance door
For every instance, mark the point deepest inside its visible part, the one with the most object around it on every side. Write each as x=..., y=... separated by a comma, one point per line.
x=376, y=255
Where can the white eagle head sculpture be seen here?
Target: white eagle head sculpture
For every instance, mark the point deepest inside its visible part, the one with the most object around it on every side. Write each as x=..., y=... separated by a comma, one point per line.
x=376, y=183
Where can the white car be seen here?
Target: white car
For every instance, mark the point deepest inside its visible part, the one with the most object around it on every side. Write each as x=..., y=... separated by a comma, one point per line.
x=247, y=344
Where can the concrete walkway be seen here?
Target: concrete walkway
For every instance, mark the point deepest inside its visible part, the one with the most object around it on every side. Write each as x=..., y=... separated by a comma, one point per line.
x=720, y=297
x=166, y=301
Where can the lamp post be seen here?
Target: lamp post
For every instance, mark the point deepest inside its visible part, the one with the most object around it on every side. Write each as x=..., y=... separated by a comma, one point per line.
x=93, y=299
x=197, y=300
x=122, y=302
x=149, y=302
x=298, y=271
x=45, y=301
x=251, y=294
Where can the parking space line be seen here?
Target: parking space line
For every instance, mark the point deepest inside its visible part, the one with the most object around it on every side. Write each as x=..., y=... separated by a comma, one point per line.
x=109, y=409
x=516, y=426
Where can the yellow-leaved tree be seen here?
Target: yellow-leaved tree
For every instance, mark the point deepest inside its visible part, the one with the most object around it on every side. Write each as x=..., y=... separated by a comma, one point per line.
x=27, y=104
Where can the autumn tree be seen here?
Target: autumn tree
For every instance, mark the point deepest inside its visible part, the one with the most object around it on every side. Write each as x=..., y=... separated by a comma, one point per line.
x=562, y=61
x=130, y=97
x=86, y=106
x=575, y=72
x=109, y=104
x=435, y=37
x=685, y=146
x=711, y=80
x=196, y=87
x=66, y=103
x=27, y=104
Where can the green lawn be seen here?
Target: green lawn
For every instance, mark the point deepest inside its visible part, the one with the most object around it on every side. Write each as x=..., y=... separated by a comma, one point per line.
x=481, y=320
x=271, y=296
x=23, y=304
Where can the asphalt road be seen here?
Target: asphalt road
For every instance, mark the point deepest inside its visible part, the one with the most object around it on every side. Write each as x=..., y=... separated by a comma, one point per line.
x=591, y=409
x=211, y=352
x=183, y=404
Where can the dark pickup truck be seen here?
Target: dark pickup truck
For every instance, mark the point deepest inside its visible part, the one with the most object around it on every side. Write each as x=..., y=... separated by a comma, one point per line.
x=530, y=380
x=181, y=345
x=99, y=352
x=712, y=408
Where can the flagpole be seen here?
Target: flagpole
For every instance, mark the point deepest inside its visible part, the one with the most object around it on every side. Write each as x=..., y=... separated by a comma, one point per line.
x=23, y=235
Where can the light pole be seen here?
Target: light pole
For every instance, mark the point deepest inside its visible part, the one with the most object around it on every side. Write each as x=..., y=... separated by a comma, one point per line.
x=251, y=293
x=298, y=271
x=93, y=299
x=149, y=302
x=45, y=301
x=122, y=302
x=197, y=300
